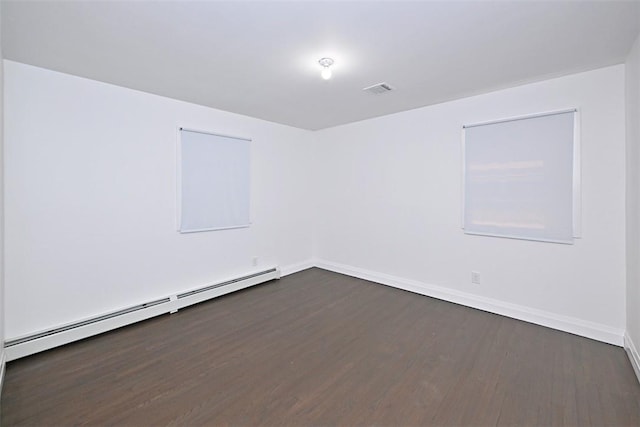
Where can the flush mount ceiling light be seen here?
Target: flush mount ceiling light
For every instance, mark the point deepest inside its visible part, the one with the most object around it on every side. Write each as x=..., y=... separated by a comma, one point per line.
x=326, y=63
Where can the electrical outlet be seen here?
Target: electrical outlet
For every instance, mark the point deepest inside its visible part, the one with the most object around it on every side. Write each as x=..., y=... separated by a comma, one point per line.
x=475, y=277
x=254, y=261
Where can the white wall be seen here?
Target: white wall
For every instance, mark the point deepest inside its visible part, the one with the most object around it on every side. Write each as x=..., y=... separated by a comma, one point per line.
x=2, y=300
x=390, y=197
x=90, y=199
x=633, y=201
x=90, y=207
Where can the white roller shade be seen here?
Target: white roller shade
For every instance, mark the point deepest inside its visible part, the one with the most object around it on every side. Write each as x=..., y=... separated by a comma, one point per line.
x=213, y=182
x=519, y=178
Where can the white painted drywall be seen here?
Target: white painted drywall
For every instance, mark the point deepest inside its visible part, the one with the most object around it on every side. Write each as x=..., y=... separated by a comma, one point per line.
x=91, y=207
x=390, y=198
x=2, y=299
x=632, y=88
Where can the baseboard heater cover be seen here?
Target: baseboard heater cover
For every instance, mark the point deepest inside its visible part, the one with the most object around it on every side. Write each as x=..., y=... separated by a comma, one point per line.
x=54, y=337
x=227, y=283
x=10, y=343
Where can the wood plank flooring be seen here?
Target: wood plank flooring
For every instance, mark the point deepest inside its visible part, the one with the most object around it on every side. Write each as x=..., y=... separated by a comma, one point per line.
x=318, y=348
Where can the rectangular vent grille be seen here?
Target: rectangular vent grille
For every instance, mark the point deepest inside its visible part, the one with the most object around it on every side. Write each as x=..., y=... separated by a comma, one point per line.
x=379, y=88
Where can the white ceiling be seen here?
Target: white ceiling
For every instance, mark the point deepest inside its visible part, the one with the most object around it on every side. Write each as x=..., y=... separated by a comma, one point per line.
x=260, y=58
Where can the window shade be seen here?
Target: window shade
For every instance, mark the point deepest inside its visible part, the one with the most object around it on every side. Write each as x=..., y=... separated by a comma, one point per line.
x=519, y=178
x=213, y=182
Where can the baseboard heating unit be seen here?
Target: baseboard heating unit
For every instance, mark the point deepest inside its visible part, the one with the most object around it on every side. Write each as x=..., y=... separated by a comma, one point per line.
x=33, y=343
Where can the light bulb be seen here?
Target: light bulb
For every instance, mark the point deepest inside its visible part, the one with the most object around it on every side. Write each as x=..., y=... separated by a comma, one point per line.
x=326, y=71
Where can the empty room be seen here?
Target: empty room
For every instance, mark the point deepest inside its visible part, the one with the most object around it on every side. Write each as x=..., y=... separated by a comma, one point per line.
x=320, y=213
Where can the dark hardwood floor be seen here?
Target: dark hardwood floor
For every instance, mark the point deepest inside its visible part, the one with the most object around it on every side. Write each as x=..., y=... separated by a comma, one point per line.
x=319, y=348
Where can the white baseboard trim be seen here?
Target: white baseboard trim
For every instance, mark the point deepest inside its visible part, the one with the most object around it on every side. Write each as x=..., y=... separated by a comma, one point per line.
x=294, y=268
x=632, y=352
x=564, y=323
x=572, y=325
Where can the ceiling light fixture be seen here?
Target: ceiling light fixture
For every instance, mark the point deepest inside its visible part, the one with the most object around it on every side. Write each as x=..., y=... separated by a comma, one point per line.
x=326, y=71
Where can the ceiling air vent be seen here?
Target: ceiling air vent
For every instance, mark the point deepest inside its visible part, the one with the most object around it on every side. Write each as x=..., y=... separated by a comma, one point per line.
x=378, y=88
